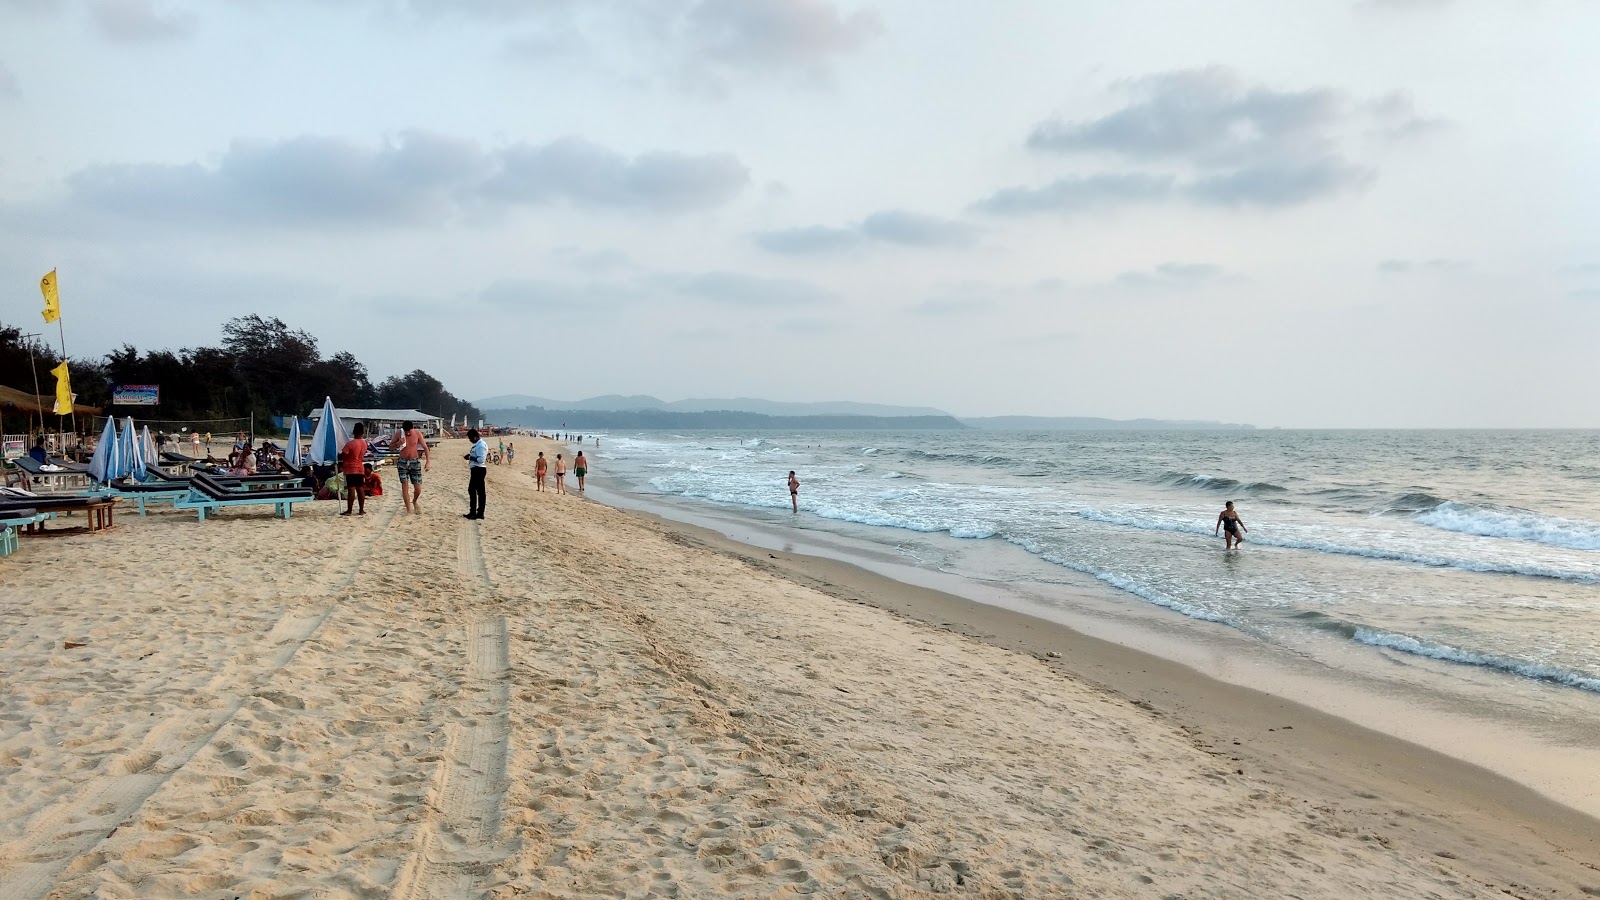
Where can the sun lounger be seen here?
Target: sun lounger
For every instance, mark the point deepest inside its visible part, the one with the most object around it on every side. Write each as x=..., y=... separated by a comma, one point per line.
x=210, y=494
x=13, y=521
x=143, y=493
x=99, y=509
x=55, y=475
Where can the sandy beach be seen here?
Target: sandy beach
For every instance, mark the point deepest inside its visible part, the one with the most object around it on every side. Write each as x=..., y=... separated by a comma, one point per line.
x=567, y=700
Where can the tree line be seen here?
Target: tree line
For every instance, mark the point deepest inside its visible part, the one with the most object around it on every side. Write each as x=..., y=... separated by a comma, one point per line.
x=262, y=367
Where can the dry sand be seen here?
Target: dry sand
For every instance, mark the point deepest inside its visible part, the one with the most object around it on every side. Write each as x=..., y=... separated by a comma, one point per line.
x=564, y=700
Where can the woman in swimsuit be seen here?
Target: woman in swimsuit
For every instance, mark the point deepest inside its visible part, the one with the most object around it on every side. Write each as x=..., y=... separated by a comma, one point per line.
x=1229, y=520
x=580, y=468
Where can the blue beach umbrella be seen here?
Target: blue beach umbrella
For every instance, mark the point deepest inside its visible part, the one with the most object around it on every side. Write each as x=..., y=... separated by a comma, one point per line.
x=329, y=436
x=130, y=451
x=291, y=453
x=104, y=460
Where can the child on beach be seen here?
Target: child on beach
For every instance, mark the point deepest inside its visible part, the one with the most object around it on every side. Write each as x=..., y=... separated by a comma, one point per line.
x=371, y=482
x=352, y=462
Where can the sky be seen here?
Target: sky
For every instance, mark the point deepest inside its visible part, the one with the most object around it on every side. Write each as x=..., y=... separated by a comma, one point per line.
x=1327, y=213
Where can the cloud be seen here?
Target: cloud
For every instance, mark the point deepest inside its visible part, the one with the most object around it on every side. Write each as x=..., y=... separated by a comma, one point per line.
x=892, y=226
x=898, y=226
x=9, y=89
x=138, y=21
x=587, y=174
x=736, y=289
x=1077, y=193
x=415, y=179
x=1403, y=266
x=1208, y=117
x=1581, y=269
x=811, y=239
x=1172, y=275
x=544, y=298
x=776, y=34
x=1210, y=138
x=1585, y=294
x=1280, y=185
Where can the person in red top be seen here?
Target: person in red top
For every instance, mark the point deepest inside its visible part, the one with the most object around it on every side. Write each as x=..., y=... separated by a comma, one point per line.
x=352, y=462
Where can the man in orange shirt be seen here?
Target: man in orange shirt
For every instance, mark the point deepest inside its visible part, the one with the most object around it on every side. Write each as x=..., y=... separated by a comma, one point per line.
x=352, y=462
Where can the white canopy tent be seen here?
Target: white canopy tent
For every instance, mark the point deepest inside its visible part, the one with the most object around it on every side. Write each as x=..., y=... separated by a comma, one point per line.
x=381, y=421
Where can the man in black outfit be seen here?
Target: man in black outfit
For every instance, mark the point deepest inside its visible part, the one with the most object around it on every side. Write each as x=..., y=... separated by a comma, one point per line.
x=477, y=460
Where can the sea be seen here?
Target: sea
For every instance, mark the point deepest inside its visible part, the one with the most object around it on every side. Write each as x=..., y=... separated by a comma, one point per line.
x=1448, y=571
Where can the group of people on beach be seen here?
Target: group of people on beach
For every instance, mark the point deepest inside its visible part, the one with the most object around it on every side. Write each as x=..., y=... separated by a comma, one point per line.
x=541, y=471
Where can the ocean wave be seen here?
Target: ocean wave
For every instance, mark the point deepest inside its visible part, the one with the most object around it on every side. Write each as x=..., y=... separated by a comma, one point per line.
x=868, y=451
x=1421, y=559
x=973, y=532
x=1223, y=485
x=1515, y=524
x=1124, y=583
x=1413, y=502
x=898, y=475
x=1434, y=650
x=976, y=459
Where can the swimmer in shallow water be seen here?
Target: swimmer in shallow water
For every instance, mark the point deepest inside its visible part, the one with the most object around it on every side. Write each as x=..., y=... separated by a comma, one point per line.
x=1228, y=520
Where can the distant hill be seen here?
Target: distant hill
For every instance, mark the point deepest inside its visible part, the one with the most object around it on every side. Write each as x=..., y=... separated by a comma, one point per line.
x=583, y=420
x=1087, y=423
x=637, y=402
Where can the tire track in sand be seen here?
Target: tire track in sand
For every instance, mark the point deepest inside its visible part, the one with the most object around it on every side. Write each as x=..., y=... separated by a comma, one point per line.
x=72, y=829
x=457, y=843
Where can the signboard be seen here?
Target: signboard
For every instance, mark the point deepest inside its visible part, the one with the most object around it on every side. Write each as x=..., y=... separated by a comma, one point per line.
x=136, y=395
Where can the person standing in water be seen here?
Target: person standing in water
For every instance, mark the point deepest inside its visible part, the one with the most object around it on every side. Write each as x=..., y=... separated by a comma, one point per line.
x=580, y=468
x=794, y=491
x=1228, y=520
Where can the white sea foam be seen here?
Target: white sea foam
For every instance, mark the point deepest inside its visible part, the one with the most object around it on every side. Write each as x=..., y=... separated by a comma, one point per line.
x=1419, y=647
x=1516, y=524
x=895, y=475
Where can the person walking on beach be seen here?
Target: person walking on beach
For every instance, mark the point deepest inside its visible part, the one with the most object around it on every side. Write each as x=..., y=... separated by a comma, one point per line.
x=540, y=467
x=478, y=470
x=208, y=443
x=580, y=468
x=414, y=460
x=194, y=440
x=1229, y=520
x=794, y=491
x=511, y=454
x=561, y=473
x=352, y=462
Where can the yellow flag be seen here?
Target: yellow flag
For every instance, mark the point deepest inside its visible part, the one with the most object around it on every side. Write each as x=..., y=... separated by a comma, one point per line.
x=63, y=390
x=52, y=300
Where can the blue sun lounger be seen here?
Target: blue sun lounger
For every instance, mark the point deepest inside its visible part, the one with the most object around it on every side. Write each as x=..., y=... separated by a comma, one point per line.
x=13, y=521
x=210, y=494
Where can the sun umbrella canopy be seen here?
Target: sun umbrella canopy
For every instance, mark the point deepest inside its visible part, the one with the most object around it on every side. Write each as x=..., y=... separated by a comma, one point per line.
x=291, y=453
x=130, y=451
x=329, y=436
x=104, y=462
x=151, y=457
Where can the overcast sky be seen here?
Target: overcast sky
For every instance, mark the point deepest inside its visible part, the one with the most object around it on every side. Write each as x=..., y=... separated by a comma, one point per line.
x=1319, y=213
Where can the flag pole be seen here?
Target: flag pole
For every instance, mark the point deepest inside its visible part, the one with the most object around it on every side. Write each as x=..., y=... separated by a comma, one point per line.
x=37, y=397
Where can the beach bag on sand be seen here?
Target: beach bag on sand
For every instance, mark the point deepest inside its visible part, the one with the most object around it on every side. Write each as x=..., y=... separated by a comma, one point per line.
x=335, y=486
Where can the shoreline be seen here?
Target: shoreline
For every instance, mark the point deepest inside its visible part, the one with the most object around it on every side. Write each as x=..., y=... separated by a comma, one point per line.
x=1403, y=789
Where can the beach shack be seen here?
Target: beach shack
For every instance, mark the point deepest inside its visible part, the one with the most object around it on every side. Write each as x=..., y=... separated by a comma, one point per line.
x=381, y=421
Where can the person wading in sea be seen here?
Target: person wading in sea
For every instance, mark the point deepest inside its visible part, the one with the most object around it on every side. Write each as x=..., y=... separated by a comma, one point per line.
x=794, y=491
x=1229, y=520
